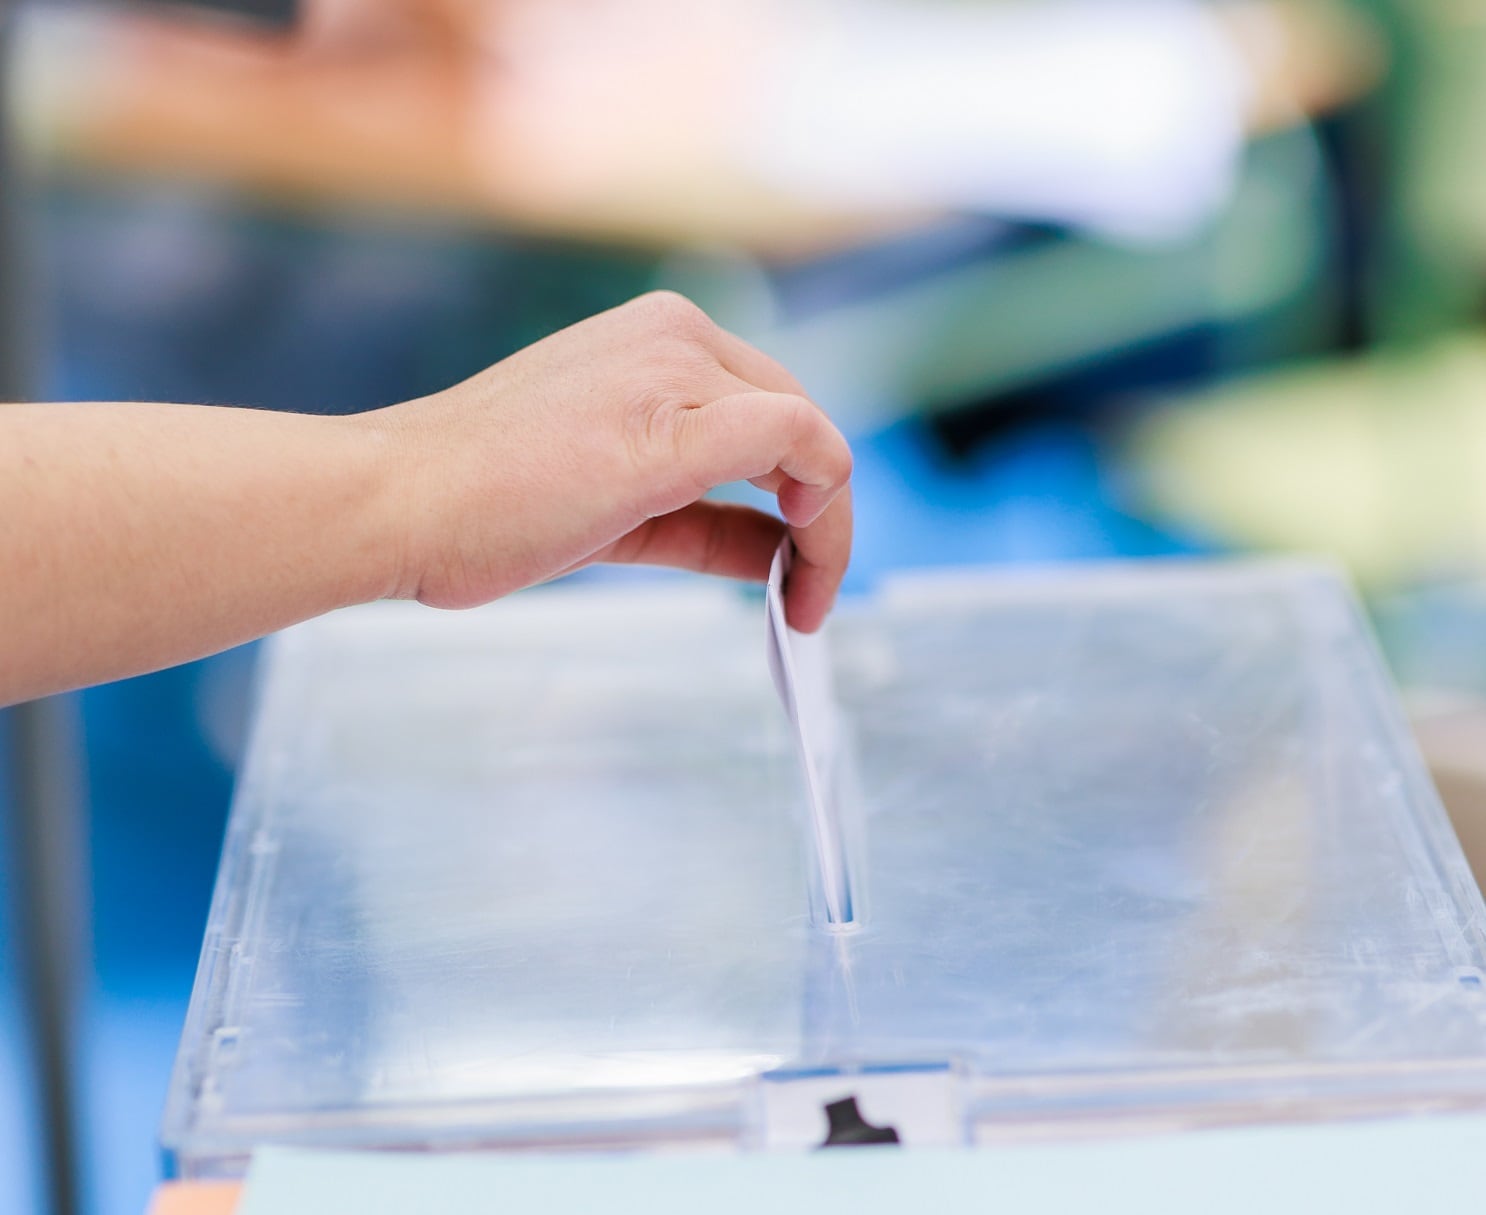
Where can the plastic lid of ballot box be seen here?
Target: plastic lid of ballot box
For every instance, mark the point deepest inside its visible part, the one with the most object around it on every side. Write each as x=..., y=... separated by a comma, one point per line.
x=1134, y=848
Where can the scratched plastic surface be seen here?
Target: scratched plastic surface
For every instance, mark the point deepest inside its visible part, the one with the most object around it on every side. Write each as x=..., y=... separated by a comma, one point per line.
x=1138, y=846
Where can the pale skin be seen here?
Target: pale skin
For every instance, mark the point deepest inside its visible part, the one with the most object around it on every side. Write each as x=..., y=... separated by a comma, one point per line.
x=137, y=536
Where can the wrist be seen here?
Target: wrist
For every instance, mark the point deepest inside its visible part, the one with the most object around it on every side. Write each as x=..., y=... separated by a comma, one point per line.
x=389, y=503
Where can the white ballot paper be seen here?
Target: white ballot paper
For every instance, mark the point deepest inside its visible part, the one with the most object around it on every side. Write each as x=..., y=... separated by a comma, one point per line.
x=801, y=666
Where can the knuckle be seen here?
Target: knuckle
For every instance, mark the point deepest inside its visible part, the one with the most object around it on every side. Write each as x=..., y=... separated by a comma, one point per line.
x=673, y=312
x=813, y=426
x=798, y=415
x=809, y=425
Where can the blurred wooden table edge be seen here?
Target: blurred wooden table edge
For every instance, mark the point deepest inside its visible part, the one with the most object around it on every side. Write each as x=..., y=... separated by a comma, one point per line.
x=196, y=1198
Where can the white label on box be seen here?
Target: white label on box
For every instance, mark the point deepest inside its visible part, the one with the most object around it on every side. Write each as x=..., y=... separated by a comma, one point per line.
x=912, y=1106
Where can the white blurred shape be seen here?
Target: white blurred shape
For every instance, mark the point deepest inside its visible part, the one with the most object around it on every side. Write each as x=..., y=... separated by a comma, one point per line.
x=1121, y=115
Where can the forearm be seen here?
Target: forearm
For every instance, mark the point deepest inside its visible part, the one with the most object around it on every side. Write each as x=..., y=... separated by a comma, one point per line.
x=136, y=536
x=133, y=537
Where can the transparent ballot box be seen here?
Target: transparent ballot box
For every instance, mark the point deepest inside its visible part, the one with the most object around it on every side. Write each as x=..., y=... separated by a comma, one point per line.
x=1131, y=847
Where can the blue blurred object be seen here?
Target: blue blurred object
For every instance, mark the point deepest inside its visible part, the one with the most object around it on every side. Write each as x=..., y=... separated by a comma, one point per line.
x=160, y=786
x=159, y=791
x=1040, y=496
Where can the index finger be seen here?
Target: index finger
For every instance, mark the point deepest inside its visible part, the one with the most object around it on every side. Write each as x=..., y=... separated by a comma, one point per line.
x=822, y=551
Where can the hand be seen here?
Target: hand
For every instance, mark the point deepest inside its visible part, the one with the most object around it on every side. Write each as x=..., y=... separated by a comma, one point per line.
x=598, y=444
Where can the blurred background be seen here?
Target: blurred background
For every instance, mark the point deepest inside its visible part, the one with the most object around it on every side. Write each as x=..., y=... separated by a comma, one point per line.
x=1080, y=279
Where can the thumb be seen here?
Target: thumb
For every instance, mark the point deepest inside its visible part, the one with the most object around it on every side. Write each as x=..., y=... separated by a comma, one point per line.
x=755, y=434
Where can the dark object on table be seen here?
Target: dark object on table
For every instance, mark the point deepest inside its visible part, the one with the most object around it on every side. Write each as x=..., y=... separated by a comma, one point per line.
x=850, y=1129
